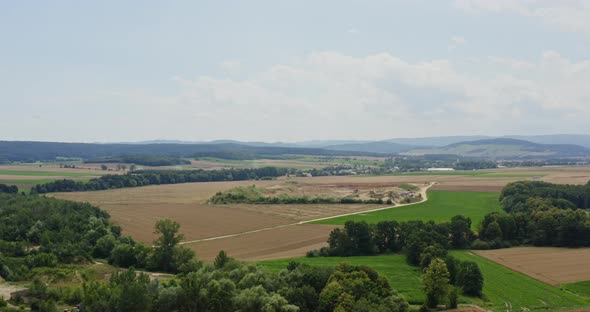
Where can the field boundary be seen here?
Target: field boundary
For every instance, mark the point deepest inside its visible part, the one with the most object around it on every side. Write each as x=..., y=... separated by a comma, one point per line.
x=423, y=192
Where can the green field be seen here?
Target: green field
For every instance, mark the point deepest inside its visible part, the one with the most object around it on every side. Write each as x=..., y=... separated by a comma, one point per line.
x=46, y=173
x=404, y=278
x=581, y=289
x=502, y=286
x=21, y=182
x=441, y=206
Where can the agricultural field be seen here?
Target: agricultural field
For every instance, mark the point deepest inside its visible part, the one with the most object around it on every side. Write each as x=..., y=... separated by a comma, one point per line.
x=553, y=266
x=581, y=289
x=296, y=162
x=254, y=232
x=441, y=206
x=514, y=291
x=502, y=287
x=26, y=176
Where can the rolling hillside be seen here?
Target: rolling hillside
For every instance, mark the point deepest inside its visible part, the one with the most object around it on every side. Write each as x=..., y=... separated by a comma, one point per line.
x=505, y=148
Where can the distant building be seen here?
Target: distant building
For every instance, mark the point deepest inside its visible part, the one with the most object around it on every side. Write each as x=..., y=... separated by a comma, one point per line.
x=440, y=169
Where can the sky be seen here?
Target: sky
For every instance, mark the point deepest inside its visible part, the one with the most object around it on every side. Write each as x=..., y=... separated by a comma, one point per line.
x=277, y=70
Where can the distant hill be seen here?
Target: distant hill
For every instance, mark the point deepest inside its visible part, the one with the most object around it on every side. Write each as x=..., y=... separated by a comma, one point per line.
x=437, y=141
x=505, y=148
x=22, y=151
x=373, y=147
x=576, y=139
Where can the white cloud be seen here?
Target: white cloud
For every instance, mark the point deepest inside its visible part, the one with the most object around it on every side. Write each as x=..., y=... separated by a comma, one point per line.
x=455, y=42
x=331, y=95
x=567, y=15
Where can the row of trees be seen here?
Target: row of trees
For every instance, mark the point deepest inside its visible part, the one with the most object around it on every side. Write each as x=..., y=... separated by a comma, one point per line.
x=539, y=213
x=145, y=160
x=515, y=196
x=229, y=285
x=360, y=238
x=253, y=195
x=8, y=189
x=425, y=245
x=150, y=177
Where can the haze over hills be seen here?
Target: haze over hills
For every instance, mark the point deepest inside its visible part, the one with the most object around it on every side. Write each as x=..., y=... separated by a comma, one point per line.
x=465, y=146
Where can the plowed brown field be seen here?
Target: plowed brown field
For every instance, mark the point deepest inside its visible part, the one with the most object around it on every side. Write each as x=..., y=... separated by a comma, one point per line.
x=550, y=265
x=270, y=231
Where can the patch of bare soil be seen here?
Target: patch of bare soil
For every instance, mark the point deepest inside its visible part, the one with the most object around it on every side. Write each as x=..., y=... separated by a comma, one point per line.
x=284, y=242
x=549, y=265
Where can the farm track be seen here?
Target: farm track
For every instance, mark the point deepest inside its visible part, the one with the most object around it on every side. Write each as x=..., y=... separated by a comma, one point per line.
x=423, y=193
x=265, y=231
x=281, y=241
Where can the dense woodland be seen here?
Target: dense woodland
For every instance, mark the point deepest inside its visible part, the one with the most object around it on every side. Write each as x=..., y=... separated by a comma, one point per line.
x=21, y=151
x=144, y=160
x=151, y=177
x=539, y=213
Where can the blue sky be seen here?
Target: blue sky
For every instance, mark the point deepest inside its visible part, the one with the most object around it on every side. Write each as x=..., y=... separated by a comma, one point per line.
x=292, y=70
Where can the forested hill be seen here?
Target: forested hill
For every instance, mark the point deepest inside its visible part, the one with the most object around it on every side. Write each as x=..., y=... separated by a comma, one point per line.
x=507, y=149
x=23, y=151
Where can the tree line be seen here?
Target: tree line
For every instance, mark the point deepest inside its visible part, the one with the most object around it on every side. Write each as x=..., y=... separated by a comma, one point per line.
x=144, y=160
x=230, y=285
x=254, y=195
x=21, y=151
x=538, y=213
x=40, y=232
x=151, y=177
x=8, y=189
x=425, y=244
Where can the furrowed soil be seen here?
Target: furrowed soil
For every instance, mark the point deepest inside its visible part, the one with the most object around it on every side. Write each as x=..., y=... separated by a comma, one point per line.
x=271, y=231
x=553, y=266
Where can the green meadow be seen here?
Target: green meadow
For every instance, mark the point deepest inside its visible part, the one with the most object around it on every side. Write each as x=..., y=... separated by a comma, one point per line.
x=441, y=206
x=503, y=288
x=46, y=173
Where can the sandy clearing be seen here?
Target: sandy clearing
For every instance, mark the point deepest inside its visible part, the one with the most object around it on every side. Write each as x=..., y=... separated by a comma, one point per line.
x=7, y=289
x=550, y=265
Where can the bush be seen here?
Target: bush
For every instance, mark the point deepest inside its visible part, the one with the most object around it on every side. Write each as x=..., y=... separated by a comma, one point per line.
x=470, y=278
x=41, y=260
x=453, y=298
x=313, y=253
x=480, y=245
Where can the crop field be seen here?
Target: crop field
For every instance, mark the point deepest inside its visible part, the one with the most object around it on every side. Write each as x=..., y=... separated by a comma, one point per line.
x=137, y=210
x=553, y=266
x=26, y=176
x=581, y=289
x=441, y=206
x=509, y=290
x=502, y=288
x=252, y=232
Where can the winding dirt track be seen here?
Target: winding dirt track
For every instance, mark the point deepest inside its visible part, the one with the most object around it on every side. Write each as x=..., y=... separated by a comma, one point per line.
x=281, y=241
